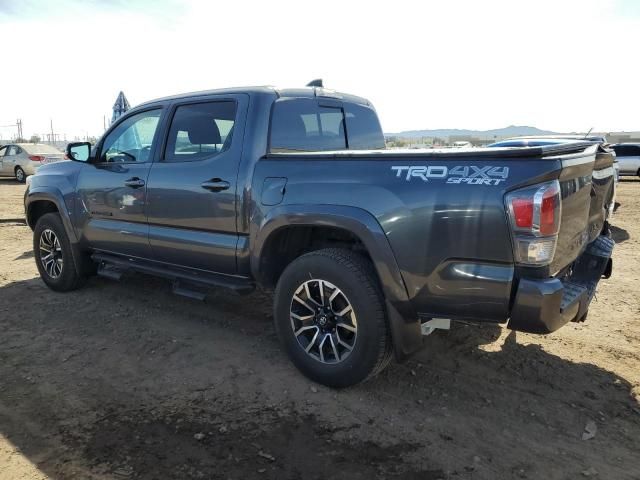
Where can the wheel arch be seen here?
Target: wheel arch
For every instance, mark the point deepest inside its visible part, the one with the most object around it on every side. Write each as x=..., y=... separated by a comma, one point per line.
x=40, y=202
x=352, y=223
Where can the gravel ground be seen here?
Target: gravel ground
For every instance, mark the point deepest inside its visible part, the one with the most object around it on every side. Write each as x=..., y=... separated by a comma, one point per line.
x=124, y=380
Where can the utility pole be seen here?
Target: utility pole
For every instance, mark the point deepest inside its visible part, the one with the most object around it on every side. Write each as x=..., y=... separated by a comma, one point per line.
x=19, y=125
x=53, y=137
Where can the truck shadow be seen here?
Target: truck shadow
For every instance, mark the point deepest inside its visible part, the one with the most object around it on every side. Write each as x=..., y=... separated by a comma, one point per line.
x=618, y=234
x=26, y=254
x=124, y=380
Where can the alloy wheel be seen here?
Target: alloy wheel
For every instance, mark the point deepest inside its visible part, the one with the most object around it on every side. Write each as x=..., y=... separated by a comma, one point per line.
x=51, y=253
x=323, y=321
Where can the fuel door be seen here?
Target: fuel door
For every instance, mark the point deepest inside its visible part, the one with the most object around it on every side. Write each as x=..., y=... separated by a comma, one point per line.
x=273, y=190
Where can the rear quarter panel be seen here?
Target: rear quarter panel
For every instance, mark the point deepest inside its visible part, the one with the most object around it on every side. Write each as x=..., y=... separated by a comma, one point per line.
x=451, y=240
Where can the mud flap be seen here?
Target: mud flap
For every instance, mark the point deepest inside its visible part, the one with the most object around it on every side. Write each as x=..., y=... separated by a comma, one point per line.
x=595, y=263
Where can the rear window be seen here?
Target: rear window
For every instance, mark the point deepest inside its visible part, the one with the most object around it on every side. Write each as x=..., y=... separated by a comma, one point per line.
x=363, y=128
x=304, y=125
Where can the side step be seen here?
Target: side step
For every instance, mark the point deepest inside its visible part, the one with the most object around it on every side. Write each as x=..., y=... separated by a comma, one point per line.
x=192, y=284
x=184, y=289
x=110, y=271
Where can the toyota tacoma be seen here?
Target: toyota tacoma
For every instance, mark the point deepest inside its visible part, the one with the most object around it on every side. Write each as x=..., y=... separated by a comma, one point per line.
x=364, y=248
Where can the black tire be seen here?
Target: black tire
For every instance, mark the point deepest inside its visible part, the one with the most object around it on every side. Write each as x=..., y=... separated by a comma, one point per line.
x=353, y=275
x=69, y=278
x=21, y=177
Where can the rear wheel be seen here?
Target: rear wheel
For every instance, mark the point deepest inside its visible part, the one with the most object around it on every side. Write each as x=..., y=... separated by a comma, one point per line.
x=329, y=315
x=53, y=254
x=20, y=175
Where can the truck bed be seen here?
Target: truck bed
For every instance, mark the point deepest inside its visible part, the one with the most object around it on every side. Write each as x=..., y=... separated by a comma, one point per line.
x=450, y=233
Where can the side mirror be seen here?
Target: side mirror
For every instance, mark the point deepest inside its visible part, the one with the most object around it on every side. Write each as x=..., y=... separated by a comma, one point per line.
x=79, y=151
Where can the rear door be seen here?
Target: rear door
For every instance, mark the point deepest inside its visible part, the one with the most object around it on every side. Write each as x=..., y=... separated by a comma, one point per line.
x=113, y=189
x=9, y=159
x=192, y=191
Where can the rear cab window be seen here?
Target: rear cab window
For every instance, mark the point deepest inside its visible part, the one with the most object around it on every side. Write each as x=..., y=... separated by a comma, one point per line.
x=309, y=125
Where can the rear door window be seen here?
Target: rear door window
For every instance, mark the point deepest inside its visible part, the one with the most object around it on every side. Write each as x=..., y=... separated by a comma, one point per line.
x=200, y=131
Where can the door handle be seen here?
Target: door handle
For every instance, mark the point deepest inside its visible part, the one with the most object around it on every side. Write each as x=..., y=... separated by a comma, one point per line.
x=215, y=185
x=134, y=182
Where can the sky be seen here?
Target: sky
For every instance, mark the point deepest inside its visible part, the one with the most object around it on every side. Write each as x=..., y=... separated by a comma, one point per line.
x=562, y=65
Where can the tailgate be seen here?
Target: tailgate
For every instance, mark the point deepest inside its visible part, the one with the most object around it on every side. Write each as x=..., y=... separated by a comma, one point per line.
x=586, y=182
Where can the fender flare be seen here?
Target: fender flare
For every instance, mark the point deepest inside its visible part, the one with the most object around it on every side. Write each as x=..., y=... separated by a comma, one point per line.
x=54, y=196
x=403, y=320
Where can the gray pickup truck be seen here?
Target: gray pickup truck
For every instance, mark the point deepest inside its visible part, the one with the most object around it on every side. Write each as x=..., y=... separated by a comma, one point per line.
x=366, y=249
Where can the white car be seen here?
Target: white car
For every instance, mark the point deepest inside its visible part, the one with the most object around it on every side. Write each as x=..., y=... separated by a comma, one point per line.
x=22, y=159
x=628, y=157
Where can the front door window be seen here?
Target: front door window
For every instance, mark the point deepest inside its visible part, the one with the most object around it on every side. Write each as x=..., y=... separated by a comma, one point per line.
x=131, y=141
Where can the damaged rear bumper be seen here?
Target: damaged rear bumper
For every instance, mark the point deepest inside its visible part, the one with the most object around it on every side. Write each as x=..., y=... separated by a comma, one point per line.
x=543, y=306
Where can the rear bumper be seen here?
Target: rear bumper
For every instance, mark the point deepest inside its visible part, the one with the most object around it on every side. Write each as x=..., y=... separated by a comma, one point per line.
x=543, y=306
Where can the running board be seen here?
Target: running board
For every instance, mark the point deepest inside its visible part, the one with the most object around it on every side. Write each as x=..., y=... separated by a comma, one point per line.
x=186, y=283
x=183, y=289
x=109, y=271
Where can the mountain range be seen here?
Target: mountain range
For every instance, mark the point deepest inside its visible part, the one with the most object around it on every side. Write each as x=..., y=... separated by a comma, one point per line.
x=510, y=131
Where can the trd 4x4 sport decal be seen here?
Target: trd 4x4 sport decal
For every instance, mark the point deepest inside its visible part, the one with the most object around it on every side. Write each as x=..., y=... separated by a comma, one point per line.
x=470, y=174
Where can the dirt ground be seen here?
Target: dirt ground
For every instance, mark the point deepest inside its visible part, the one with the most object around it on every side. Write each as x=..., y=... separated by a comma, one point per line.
x=124, y=380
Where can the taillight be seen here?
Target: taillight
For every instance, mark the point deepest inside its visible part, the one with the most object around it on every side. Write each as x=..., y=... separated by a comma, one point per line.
x=523, y=212
x=550, y=211
x=36, y=158
x=534, y=213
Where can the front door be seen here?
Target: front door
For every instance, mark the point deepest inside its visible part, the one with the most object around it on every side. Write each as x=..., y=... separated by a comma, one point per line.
x=3, y=151
x=113, y=188
x=192, y=193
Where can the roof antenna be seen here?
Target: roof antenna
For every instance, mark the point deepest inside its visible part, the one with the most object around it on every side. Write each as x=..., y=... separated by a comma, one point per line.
x=315, y=83
x=587, y=134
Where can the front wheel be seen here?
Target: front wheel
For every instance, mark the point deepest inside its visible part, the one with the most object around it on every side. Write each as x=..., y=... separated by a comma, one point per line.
x=329, y=315
x=54, y=258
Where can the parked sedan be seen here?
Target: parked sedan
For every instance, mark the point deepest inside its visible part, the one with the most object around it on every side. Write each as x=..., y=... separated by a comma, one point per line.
x=21, y=159
x=628, y=157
